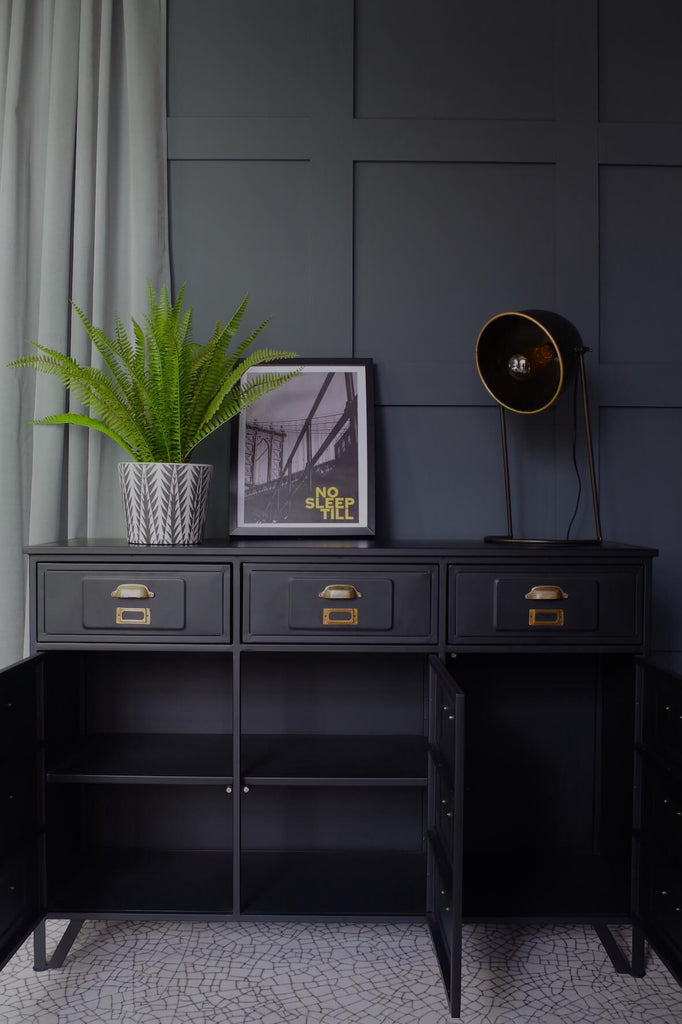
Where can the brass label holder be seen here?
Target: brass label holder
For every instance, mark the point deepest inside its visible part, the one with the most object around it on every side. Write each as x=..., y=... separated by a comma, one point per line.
x=339, y=616
x=133, y=616
x=545, y=617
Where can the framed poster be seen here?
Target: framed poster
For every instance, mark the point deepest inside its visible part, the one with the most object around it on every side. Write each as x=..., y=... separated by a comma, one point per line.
x=303, y=455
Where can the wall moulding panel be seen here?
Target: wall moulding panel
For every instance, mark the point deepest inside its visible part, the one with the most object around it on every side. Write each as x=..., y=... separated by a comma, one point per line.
x=430, y=66
x=640, y=76
x=438, y=246
x=220, y=261
x=640, y=232
x=233, y=59
x=630, y=465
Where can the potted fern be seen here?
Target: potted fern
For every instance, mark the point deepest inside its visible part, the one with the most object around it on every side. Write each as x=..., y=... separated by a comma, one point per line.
x=158, y=397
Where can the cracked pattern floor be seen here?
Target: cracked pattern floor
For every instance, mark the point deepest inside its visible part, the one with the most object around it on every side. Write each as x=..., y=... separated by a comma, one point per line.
x=323, y=973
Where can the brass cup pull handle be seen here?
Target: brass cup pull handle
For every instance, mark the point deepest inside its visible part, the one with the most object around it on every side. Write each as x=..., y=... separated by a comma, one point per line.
x=128, y=591
x=340, y=592
x=546, y=592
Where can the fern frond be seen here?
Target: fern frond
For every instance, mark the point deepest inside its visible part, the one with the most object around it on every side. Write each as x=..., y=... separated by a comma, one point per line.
x=241, y=349
x=263, y=355
x=160, y=393
x=85, y=421
x=236, y=399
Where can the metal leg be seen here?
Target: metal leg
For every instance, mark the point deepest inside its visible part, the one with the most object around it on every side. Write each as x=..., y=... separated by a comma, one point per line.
x=615, y=955
x=39, y=950
x=638, y=952
x=637, y=967
x=505, y=467
x=40, y=960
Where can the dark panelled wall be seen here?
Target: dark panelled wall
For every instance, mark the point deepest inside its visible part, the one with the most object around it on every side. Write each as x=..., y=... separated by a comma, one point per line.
x=382, y=176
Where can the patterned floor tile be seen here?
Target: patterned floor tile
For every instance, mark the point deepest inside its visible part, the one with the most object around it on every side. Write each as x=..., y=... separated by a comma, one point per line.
x=281, y=973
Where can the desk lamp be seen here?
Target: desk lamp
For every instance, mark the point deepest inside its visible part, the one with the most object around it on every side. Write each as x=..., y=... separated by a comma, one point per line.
x=525, y=360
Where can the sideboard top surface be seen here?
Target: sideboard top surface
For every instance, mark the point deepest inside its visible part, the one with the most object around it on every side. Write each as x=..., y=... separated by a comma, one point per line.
x=276, y=547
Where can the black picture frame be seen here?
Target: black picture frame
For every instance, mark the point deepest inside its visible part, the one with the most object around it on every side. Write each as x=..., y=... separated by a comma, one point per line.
x=302, y=461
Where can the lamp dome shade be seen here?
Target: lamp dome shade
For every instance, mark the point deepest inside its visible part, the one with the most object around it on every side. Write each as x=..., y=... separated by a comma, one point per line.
x=524, y=359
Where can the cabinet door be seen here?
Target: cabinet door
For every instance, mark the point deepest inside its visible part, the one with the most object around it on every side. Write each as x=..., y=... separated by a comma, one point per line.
x=20, y=888
x=444, y=895
x=658, y=812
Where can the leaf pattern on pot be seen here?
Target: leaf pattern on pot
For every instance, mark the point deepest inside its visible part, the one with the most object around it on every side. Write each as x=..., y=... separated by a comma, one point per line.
x=164, y=503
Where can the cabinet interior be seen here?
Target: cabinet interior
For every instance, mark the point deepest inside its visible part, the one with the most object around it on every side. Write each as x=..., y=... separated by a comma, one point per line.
x=548, y=794
x=334, y=758
x=332, y=770
x=139, y=758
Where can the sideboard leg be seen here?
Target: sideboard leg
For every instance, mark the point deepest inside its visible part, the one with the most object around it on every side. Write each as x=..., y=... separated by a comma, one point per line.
x=637, y=965
x=40, y=959
x=615, y=955
x=638, y=952
x=39, y=949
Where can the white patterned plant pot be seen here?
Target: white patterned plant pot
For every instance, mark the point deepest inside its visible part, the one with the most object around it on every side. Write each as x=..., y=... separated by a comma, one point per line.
x=164, y=502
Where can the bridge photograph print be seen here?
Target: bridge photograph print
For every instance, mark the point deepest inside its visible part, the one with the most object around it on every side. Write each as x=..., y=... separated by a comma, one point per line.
x=303, y=455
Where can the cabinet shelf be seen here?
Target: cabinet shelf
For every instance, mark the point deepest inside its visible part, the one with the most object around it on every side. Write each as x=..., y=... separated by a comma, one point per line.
x=324, y=882
x=147, y=881
x=147, y=758
x=334, y=760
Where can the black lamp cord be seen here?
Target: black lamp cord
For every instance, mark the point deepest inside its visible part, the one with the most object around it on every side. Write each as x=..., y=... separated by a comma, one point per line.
x=574, y=454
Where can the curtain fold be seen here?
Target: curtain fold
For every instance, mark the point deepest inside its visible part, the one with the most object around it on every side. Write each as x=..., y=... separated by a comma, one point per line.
x=83, y=216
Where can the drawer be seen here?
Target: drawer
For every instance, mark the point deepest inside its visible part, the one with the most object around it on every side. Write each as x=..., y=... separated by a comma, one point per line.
x=105, y=603
x=546, y=606
x=347, y=603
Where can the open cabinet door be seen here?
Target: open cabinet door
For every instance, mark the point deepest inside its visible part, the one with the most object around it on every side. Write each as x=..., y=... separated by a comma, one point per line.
x=657, y=889
x=21, y=899
x=444, y=834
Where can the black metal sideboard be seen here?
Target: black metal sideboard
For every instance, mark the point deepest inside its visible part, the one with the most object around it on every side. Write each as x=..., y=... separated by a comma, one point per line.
x=342, y=730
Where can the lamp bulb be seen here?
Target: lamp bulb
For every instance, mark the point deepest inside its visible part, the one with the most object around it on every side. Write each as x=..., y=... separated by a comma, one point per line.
x=518, y=366
x=521, y=364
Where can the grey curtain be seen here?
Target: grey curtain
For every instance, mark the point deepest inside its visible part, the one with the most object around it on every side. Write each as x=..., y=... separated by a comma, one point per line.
x=83, y=215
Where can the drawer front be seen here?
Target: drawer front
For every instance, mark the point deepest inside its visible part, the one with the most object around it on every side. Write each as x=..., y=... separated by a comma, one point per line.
x=335, y=603
x=549, y=606
x=98, y=603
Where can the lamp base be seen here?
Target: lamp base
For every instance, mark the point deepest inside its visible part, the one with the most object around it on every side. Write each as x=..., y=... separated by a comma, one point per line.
x=529, y=540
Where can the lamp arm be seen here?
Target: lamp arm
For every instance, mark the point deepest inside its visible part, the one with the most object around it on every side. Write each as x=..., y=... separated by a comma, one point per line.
x=505, y=466
x=580, y=352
